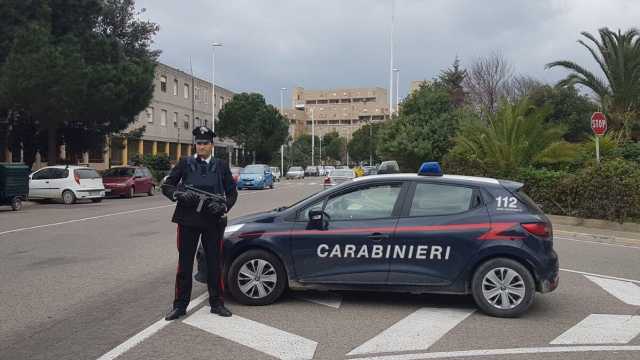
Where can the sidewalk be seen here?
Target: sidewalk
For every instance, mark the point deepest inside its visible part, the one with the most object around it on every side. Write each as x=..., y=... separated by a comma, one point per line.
x=596, y=230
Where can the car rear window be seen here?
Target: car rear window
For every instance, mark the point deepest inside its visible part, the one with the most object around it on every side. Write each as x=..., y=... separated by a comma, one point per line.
x=118, y=172
x=435, y=199
x=524, y=198
x=87, y=174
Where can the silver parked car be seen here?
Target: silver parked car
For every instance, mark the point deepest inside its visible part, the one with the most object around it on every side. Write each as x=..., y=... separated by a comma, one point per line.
x=295, y=172
x=338, y=176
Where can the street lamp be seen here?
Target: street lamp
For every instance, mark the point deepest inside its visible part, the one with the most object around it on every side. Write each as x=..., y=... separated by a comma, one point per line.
x=397, y=71
x=393, y=7
x=313, y=137
x=282, y=90
x=213, y=85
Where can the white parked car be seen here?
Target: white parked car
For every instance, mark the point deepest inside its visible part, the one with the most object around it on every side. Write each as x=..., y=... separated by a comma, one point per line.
x=338, y=176
x=276, y=173
x=68, y=183
x=295, y=172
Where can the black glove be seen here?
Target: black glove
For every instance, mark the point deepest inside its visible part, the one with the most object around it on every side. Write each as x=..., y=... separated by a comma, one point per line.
x=186, y=198
x=216, y=208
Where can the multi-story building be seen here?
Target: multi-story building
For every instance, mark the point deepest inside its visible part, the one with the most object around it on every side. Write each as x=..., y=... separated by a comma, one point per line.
x=341, y=110
x=180, y=102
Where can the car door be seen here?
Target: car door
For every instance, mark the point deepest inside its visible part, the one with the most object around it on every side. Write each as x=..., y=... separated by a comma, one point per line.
x=58, y=181
x=437, y=233
x=139, y=181
x=349, y=246
x=39, y=183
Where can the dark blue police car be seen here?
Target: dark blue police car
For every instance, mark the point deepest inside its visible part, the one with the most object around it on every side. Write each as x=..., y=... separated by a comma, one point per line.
x=417, y=233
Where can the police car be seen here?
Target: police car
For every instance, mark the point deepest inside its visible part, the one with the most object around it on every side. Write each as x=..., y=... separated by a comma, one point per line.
x=416, y=233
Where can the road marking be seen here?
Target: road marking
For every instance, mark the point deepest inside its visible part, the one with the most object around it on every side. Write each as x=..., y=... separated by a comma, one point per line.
x=85, y=219
x=258, y=336
x=600, y=243
x=498, y=352
x=146, y=333
x=321, y=298
x=601, y=329
x=417, y=331
x=625, y=291
x=601, y=276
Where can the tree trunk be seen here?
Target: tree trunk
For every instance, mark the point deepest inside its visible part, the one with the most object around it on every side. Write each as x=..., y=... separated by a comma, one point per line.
x=4, y=136
x=52, y=145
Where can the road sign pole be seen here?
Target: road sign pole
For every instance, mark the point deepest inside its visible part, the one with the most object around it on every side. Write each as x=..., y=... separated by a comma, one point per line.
x=598, y=149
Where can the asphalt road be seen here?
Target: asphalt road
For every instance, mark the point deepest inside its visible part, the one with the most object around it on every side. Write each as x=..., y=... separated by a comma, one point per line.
x=82, y=281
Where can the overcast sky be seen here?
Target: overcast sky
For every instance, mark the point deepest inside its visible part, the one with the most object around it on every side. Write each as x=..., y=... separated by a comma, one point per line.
x=269, y=44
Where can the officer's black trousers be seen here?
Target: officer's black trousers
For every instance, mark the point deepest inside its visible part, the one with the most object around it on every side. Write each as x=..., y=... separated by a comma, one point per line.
x=187, y=239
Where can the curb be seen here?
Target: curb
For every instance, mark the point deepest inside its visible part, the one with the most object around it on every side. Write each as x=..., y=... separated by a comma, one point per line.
x=594, y=223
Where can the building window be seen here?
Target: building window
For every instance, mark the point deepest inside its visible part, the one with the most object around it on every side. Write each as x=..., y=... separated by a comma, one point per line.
x=175, y=87
x=163, y=84
x=205, y=96
x=186, y=91
x=150, y=115
x=196, y=93
x=163, y=117
x=345, y=100
x=186, y=122
x=310, y=101
x=221, y=102
x=206, y=122
x=322, y=101
x=175, y=119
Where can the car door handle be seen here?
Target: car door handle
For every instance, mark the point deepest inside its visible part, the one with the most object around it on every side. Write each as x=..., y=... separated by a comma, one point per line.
x=377, y=237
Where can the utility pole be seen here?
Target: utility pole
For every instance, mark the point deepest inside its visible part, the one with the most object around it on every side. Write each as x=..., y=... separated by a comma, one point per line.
x=282, y=90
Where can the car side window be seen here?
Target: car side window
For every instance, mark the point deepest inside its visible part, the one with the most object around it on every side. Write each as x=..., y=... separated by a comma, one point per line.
x=304, y=214
x=58, y=173
x=41, y=175
x=373, y=202
x=437, y=199
x=138, y=172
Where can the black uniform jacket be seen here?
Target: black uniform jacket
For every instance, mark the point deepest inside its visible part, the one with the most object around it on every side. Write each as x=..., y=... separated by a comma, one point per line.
x=217, y=179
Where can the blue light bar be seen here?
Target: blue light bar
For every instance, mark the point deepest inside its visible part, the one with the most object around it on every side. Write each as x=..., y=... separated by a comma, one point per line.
x=430, y=169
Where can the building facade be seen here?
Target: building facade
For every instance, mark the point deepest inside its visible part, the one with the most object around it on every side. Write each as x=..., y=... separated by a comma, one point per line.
x=341, y=110
x=180, y=102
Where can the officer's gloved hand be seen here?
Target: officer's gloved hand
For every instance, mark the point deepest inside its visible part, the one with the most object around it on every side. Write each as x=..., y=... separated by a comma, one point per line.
x=216, y=208
x=186, y=198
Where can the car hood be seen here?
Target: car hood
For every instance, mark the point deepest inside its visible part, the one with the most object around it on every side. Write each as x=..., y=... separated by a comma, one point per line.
x=250, y=176
x=259, y=217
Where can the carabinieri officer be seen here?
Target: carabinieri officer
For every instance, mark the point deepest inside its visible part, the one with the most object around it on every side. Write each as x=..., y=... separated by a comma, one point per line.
x=204, y=172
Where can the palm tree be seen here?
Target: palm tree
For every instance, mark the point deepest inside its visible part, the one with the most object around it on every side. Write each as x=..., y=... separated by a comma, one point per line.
x=618, y=56
x=515, y=136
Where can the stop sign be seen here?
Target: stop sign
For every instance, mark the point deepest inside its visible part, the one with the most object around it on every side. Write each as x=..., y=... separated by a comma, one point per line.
x=598, y=123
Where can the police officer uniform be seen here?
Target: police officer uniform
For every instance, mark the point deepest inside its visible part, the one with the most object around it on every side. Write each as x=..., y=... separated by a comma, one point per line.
x=214, y=176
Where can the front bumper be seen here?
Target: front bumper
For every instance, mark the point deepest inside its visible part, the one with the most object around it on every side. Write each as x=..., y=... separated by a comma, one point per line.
x=116, y=190
x=251, y=185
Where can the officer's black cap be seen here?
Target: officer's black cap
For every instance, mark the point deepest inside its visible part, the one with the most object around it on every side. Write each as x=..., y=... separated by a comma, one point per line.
x=203, y=133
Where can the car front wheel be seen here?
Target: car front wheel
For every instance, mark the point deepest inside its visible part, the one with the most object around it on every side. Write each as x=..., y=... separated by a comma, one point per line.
x=257, y=277
x=503, y=288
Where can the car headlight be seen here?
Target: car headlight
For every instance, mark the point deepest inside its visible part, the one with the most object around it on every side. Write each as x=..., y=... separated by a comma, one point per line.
x=259, y=178
x=232, y=229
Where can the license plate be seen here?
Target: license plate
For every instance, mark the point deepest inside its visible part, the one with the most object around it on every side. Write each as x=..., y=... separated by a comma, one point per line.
x=94, y=193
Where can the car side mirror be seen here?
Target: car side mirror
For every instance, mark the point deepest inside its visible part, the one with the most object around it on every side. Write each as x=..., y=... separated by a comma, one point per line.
x=316, y=216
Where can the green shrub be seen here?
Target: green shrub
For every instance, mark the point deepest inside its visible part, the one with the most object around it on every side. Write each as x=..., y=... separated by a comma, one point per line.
x=159, y=164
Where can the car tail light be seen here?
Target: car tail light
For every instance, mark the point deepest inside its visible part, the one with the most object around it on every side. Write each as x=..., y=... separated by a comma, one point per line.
x=541, y=229
x=76, y=177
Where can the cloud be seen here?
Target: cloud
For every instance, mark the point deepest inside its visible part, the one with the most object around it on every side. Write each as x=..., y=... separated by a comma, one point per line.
x=345, y=43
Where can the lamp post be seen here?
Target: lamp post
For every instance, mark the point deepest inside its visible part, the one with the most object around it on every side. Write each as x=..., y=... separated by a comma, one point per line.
x=282, y=90
x=393, y=6
x=397, y=71
x=313, y=137
x=213, y=85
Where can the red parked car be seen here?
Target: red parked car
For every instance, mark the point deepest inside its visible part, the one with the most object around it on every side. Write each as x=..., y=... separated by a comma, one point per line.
x=128, y=181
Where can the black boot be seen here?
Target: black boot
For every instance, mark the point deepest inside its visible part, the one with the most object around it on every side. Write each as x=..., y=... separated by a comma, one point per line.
x=175, y=313
x=220, y=310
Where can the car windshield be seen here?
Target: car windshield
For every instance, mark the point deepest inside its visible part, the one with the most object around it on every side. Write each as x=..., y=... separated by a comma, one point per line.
x=119, y=172
x=253, y=169
x=342, y=172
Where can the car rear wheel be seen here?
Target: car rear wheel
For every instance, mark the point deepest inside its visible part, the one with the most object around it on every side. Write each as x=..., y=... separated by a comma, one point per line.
x=16, y=204
x=68, y=197
x=257, y=277
x=503, y=288
x=131, y=192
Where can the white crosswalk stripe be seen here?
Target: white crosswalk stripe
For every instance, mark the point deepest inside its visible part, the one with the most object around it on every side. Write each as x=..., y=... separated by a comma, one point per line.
x=601, y=329
x=258, y=336
x=626, y=291
x=417, y=331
